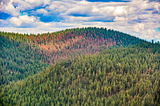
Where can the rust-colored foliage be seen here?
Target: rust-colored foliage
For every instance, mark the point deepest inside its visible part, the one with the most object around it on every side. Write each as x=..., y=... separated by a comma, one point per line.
x=64, y=44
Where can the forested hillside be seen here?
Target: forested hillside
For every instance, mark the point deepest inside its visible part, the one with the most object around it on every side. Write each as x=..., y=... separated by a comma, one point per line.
x=22, y=55
x=121, y=76
x=18, y=60
x=62, y=44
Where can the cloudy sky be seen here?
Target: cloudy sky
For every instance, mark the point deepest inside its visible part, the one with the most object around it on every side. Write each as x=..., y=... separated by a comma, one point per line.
x=139, y=18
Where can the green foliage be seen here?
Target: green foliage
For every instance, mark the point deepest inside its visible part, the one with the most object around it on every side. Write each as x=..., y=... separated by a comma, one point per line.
x=18, y=60
x=120, y=76
x=116, y=76
x=21, y=55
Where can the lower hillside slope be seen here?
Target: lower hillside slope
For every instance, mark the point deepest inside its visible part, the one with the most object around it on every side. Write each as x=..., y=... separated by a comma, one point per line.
x=18, y=60
x=124, y=76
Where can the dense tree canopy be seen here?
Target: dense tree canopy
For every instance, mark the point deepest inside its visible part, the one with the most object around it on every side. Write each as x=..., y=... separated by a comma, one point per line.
x=120, y=76
x=19, y=60
x=81, y=66
x=22, y=55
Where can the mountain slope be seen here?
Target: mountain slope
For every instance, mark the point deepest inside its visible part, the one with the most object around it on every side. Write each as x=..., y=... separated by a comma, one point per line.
x=62, y=44
x=23, y=55
x=18, y=60
x=120, y=76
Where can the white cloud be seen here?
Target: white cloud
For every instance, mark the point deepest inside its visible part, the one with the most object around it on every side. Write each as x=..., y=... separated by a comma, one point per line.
x=7, y=7
x=120, y=19
x=30, y=4
x=79, y=10
x=150, y=34
x=16, y=21
x=22, y=19
x=38, y=1
x=106, y=10
x=77, y=19
x=41, y=11
x=138, y=27
x=120, y=11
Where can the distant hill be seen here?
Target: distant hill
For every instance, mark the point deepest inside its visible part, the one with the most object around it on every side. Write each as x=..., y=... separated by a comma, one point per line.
x=22, y=55
x=121, y=76
x=79, y=40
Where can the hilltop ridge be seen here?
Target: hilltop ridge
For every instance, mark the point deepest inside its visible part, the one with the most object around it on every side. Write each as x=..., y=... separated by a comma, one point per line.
x=23, y=55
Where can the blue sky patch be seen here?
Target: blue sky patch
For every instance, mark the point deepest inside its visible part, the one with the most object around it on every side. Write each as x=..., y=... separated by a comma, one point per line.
x=4, y=16
x=21, y=13
x=36, y=8
x=50, y=19
x=78, y=15
x=155, y=12
x=103, y=21
x=145, y=13
x=15, y=4
x=158, y=29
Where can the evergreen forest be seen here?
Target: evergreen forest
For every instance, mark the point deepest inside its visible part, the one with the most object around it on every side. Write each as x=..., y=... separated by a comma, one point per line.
x=81, y=66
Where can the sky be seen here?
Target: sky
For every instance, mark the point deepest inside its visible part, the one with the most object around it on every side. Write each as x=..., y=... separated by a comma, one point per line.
x=140, y=18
